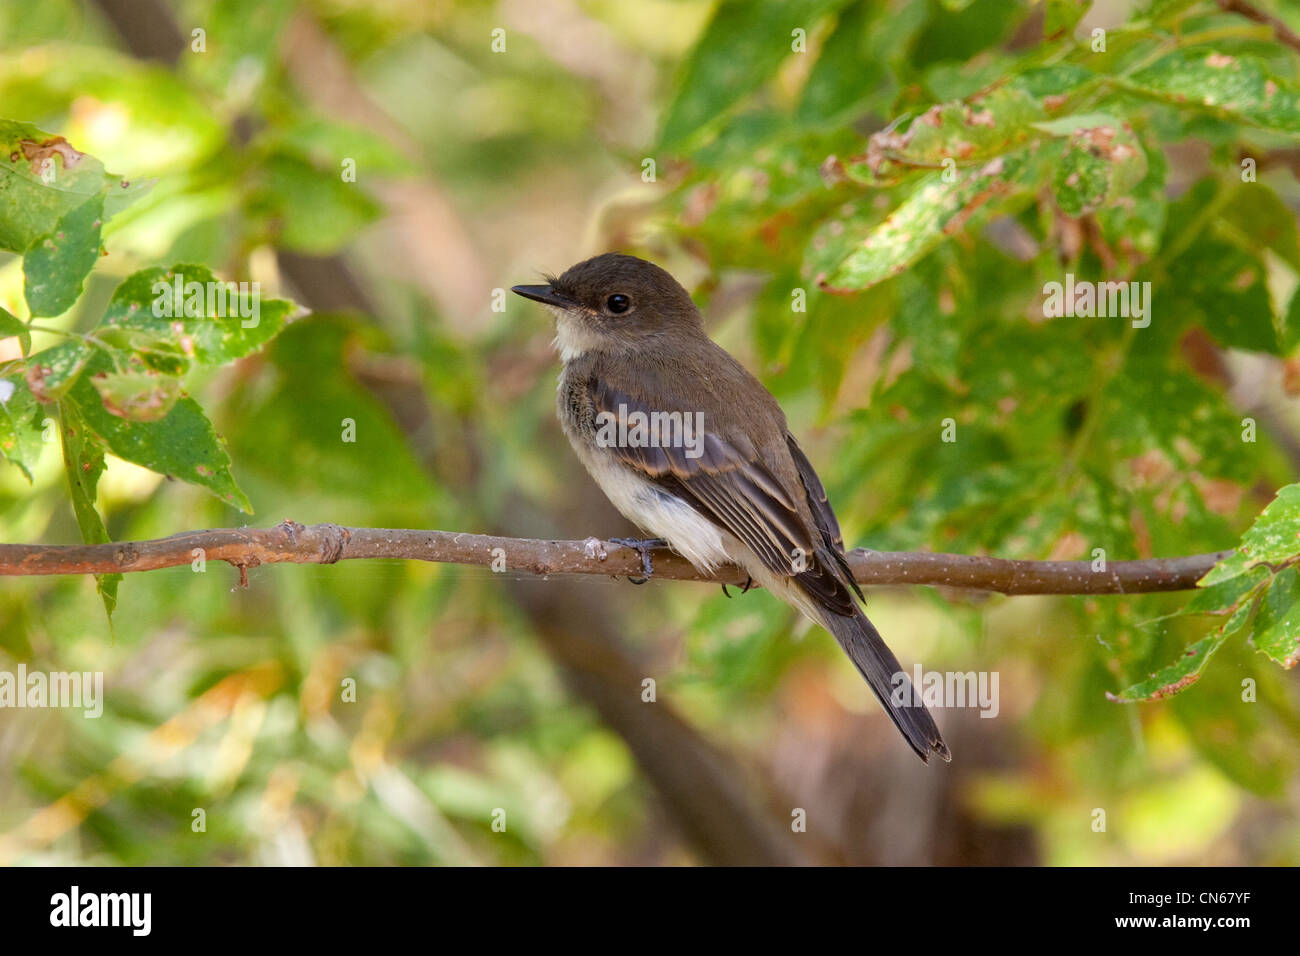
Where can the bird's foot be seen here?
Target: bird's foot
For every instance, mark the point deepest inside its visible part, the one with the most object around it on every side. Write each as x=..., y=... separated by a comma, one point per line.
x=643, y=547
x=749, y=583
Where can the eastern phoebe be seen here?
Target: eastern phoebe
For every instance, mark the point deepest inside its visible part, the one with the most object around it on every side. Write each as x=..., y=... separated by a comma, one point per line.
x=693, y=449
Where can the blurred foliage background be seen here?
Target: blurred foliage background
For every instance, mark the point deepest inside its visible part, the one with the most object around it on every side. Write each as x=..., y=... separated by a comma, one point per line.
x=755, y=149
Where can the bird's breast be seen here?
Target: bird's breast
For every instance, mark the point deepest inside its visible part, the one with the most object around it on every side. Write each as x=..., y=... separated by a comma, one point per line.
x=645, y=504
x=661, y=514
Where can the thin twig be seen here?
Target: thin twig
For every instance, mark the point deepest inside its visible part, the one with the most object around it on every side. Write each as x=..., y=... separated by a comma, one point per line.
x=290, y=542
x=1281, y=31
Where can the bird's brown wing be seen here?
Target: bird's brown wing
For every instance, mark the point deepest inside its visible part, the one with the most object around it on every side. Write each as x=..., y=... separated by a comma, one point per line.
x=730, y=485
x=824, y=517
x=779, y=521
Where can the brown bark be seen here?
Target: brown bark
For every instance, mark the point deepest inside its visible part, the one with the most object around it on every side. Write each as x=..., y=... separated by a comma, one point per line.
x=290, y=542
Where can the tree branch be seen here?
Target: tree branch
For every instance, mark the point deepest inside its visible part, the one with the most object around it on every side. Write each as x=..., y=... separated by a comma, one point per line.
x=290, y=542
x=1281, y=31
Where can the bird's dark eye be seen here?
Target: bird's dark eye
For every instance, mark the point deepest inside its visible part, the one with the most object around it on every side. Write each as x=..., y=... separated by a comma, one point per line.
x=618, y=303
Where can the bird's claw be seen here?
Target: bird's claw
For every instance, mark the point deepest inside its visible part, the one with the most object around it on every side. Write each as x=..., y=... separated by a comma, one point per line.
x=749, y=583
x=643, y=547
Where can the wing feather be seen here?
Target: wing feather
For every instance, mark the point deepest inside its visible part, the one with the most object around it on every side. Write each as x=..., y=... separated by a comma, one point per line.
x=729, y=484
x=726, y=482
x=823, y=515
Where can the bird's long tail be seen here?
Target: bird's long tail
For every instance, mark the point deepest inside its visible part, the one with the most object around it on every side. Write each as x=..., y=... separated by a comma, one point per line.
x=877, y=663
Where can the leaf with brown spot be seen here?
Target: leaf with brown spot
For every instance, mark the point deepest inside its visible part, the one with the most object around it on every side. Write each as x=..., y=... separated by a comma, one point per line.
x=43, y=179
x=1185, y=671
x=935, y=210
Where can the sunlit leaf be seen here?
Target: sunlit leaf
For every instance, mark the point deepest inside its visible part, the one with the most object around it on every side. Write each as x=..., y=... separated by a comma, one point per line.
x=139, y=395
x=1276, y=630
x=11, y=325
x=741, y=48
x=958, y=133
x=934, y=211
x=83, y=462
x=43, y=178
x=188, y=309
x=1275, y=535
x=182, y=444
x=20, y=424
x=1239, y=88
x=56, y=265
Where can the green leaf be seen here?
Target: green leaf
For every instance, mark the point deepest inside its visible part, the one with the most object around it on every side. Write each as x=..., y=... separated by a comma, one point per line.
x=1133, y=223
x=1226, y=287
x=121, y=193
x=970, y=33
x=1063, y=16
x=1240, y=739
x=740, y=50
x=1275, y=535
x=308, y=209
x=1167, y=12
x=919, y=318
x=1102, y=162
x=302, y=416
x=1073, y=123
x=51, y=372
x=1152, y=407
x=182, y=444
x=960, y=132
x=1233, y=566
x=1238, y=88
x=1055, y=80
x=933, y=211
x=244, y=36
x=11, y=325
x=139, y=395
x=1261, y=218
x=20, y=425
x=188, y=310
x=43, y=178
x=844, y=74
x=83, y=462
x=326, y=142
x=1276, y=631
x=1185, y=671
x=55, y=265
x=1225, y=593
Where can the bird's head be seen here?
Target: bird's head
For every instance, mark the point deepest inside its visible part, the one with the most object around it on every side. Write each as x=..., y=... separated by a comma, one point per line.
x=614, y=303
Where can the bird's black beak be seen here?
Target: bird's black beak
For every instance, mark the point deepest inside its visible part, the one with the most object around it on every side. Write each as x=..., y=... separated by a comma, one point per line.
x=546, y=295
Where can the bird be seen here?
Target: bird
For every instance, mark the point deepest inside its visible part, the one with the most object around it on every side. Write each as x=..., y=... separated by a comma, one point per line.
x=696, y=452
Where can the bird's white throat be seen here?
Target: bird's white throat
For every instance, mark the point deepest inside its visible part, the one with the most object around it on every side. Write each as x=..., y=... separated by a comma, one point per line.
x=573, y=337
